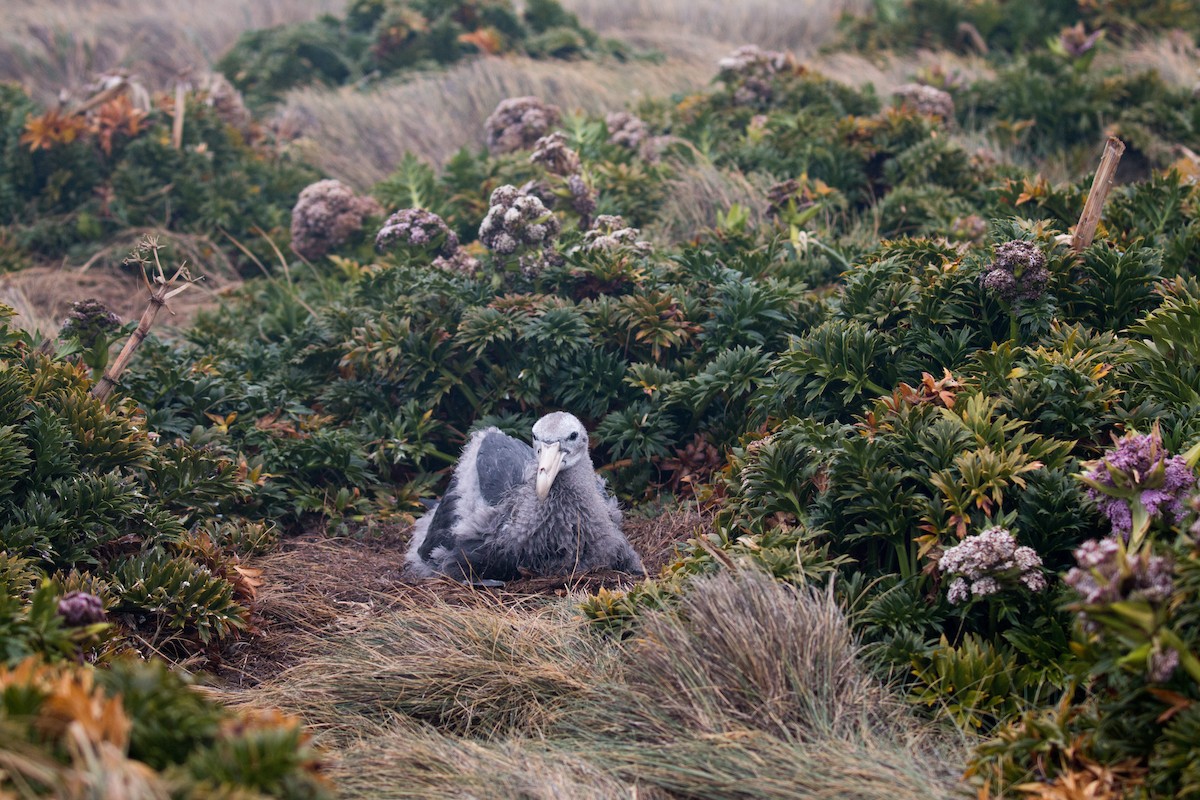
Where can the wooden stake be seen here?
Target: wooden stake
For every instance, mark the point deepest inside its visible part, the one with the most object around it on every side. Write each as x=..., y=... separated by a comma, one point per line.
x=1085, y=231
x=177, y=127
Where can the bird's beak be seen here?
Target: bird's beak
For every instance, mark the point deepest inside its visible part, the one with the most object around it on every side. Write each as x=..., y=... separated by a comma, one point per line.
x=549, y=462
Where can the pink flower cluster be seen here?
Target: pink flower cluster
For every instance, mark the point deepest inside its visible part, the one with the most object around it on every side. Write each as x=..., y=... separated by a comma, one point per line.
x=425, y=230
x=1018, y=272
x=749, y=72
x=988, y=561
x=611, y=233
x=326, y=214
x=518, y=122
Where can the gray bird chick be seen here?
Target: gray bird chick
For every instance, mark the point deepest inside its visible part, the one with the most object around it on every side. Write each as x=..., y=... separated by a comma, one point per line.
x=511, y=508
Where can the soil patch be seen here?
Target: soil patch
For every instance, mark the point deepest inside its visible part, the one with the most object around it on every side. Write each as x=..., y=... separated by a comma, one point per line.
x=42, y=296
x=317, y=583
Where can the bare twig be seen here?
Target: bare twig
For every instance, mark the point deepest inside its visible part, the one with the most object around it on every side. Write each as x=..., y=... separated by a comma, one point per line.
x=166, y=289
x=1085, y=231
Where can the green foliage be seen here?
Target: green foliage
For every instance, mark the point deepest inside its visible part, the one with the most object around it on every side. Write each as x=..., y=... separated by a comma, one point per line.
x=380, y=38
x=156, y=733
x=72, y=183
x=89, y=503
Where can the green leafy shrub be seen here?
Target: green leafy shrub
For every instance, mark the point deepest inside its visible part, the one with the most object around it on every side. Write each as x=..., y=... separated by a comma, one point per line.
x=76, y=730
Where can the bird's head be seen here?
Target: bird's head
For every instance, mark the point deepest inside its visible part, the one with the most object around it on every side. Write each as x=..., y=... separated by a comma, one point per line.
x=560, y=442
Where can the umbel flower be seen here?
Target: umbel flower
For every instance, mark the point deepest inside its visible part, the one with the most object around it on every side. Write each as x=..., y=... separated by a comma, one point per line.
x=1137, y=481
x=416, y=227
x=80, y=608
x=88, y=321
x=749, y=72
x=626, y=129
x=326, y=214
x=518, y=122
x=515, y=221
x=1018, y=272
x=1128, y=593
x=552, y=153
x=610, y=233
x=989, y=561
x=926, y=100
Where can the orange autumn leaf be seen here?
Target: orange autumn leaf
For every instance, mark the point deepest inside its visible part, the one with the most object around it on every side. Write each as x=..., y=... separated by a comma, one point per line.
x=51, y=129
x=486, y=40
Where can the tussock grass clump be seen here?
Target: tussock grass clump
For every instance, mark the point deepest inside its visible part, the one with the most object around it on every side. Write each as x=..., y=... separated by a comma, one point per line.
x=478, y=671
x=426, y=764
x=746, y=651
x=746, y=688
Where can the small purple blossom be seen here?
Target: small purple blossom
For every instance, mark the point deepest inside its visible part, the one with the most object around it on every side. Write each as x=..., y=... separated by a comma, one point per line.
x=583, y=199
x=416, y=227
x=80, y=608
x=1162, y=663
x=610, y=233
x=1076, y=41
x=518, y=122
x=1018, y=272
x=989, y=561
x=88, y=321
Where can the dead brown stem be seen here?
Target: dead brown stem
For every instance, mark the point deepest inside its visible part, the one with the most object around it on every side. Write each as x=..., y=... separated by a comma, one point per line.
x=158, y=301
x=1085, y=231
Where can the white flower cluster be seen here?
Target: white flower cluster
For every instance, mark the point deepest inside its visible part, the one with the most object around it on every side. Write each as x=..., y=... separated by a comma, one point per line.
x=516, y=220
x=610, y=233
x=926, y=100
x=984, y=563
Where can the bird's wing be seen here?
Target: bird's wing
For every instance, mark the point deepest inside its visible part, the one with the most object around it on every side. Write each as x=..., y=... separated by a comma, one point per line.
x=500, y=464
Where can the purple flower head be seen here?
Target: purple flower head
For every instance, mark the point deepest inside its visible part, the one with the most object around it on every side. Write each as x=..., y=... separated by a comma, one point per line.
x=416, y=227
x=80, y=608
x=988, y=562
x=1076, y=41
x=551, y=152
x=1138, y=470
x=88, y=321
x=610, y=233
x=749, y=72
x=1018, y=272
x=626, y=129
x=926, y=100
x=515, y=221
x=1105, y=574
x=583, y=199
x=518, y=122
x=326, y=214
x=1162, y=663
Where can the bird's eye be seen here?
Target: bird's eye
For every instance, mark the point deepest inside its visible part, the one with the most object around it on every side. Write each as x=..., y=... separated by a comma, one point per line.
x=574, y=435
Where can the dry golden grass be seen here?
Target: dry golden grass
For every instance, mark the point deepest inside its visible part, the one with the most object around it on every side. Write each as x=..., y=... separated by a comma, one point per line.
x=797, y=25
x=750, y=689
x=359, y=136
x=49, y=47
